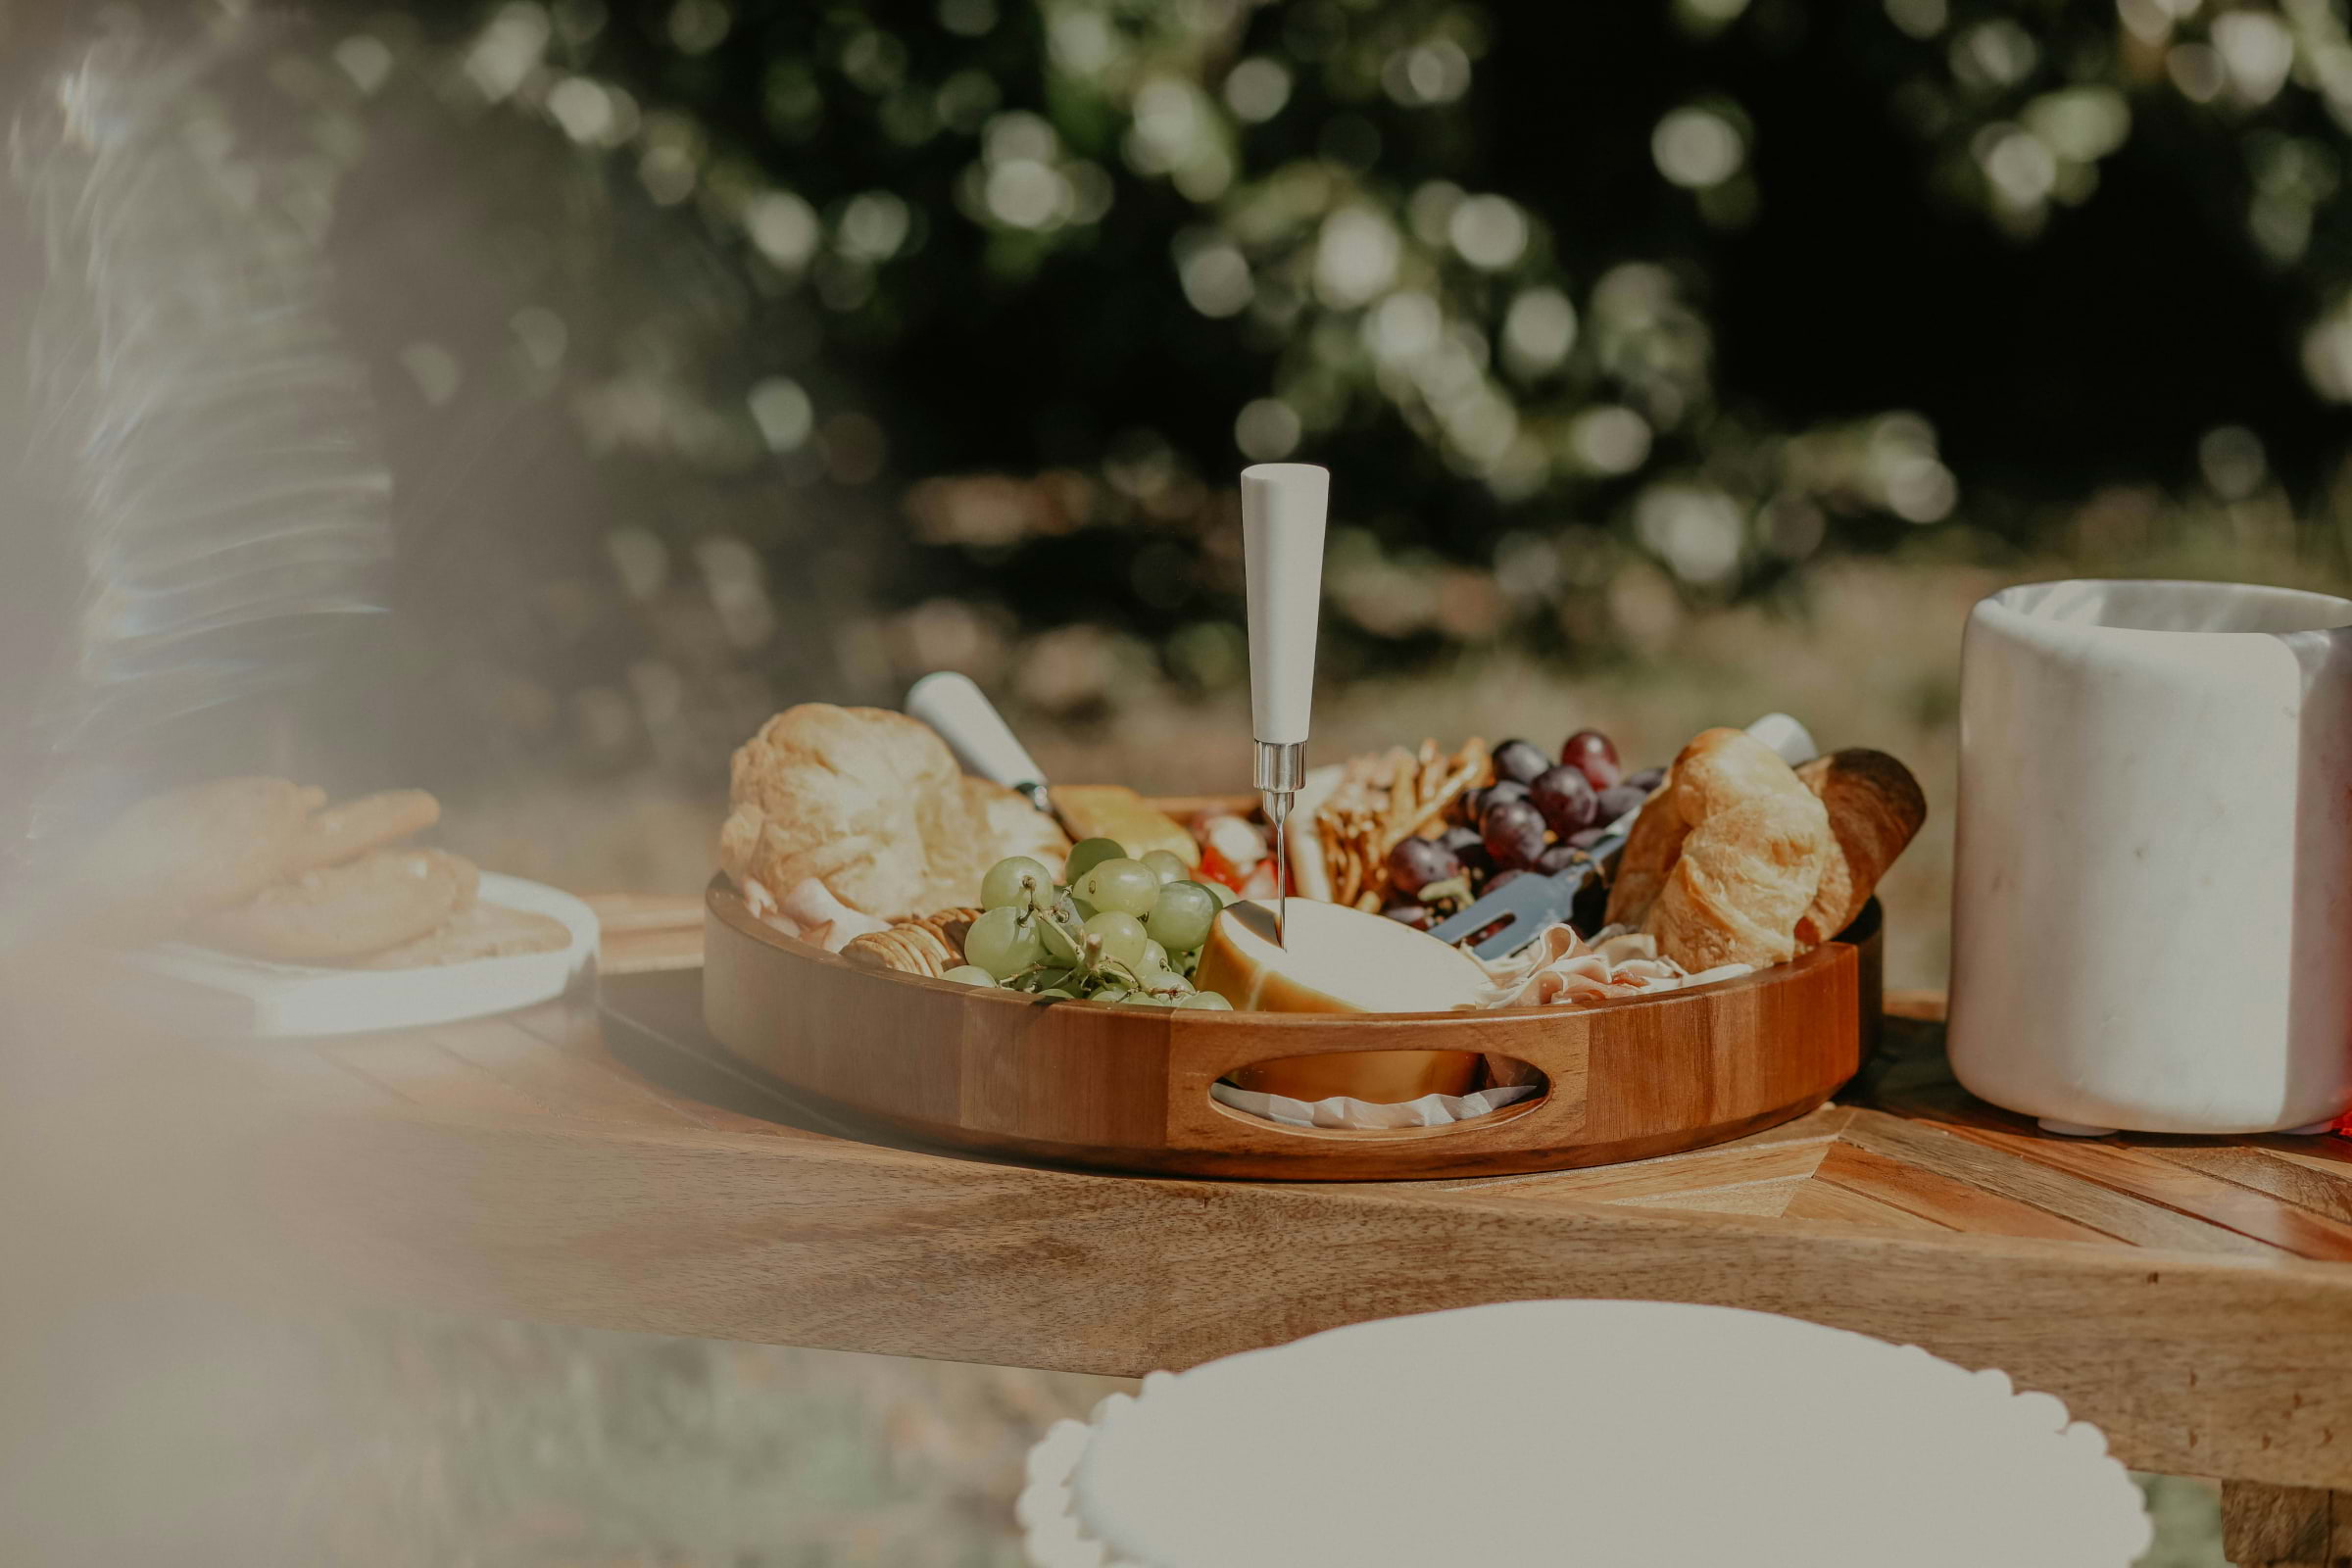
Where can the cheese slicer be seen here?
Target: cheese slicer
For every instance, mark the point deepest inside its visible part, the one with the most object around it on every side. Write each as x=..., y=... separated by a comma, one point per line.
x=1531, y=903
x=1283, y=509
x=960, y=713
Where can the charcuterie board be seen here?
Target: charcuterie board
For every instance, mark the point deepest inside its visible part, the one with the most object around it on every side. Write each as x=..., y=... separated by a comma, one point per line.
x=1127, y=1089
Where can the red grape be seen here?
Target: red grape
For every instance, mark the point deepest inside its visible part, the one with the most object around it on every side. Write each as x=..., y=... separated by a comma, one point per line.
x=1649, y=778
x=1514, y=835
x=1557, y=859
x=1416, y=915
x=1415, y=862
x=1619, y=799
x=1520, y=762
x=1592, y=753
x=1481, y=802
x=1566, y=799
x=1459, y=837
x=1504, y=879
x=1585, y=840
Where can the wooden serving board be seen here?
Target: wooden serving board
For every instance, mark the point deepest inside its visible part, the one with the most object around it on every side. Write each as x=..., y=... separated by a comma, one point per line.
x=1128, y=1089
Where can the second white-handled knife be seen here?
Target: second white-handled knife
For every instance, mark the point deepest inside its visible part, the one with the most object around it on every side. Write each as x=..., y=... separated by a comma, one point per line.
x=960, y=710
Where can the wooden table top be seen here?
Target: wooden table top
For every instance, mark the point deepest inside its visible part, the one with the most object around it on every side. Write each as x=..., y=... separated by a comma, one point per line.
x=2192, y=1296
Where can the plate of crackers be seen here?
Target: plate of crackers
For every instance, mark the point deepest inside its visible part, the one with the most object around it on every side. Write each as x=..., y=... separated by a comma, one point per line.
x=287, y=915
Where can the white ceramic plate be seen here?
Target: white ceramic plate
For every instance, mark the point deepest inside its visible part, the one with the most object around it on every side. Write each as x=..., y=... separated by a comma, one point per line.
x=1579, y=1432
x=249, y=995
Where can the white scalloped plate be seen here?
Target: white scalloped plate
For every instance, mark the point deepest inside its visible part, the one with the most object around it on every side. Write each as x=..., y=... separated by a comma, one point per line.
x=1612, y=1432
x=248, y=996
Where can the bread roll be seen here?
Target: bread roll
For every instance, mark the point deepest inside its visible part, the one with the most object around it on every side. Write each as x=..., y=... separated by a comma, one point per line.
x=1875, y=809
x=1749, y=861
x=872, y=805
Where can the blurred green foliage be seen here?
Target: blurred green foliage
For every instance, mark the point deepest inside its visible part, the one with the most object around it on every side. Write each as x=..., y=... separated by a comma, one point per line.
x=1051, y=270
x=812, y=346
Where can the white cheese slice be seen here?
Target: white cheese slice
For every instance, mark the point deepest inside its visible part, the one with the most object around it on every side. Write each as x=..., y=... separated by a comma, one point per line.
x=1336, y=959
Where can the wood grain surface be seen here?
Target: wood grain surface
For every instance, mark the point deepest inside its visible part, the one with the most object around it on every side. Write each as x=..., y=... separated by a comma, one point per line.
x=1128, y=1089
x=2189, y=1296
x=2285, y=1527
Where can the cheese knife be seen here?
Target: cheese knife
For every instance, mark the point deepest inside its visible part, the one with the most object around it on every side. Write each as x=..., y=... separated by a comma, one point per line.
x=1283, y=510
x=954, y=706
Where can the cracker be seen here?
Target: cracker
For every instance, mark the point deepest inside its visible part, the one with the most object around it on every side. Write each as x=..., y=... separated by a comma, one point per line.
x=190, y=850
x=1385, y=799
x=349, y=829
x=927, y=944
x=478, y=931
x=334, y=913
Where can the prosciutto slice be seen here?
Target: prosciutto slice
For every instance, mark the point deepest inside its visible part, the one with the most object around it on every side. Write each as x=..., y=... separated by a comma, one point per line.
x=1561, y=968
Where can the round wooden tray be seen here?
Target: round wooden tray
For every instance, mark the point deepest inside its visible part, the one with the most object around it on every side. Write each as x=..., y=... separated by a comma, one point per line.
x=1127, y=1088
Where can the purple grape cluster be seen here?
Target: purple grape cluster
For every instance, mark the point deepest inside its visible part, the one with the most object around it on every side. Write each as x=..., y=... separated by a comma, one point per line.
x=1536, y=816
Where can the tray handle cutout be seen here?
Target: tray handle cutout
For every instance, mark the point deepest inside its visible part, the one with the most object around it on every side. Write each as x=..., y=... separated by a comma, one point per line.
x=1316, y=1060
x=1388, y=1078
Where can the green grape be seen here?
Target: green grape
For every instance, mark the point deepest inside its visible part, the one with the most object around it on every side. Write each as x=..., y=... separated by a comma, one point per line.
x=1167, y=865
x=1090, y=853
x=1055, y=938
x=1017, y=883
x=1129, y=887
x=1081, y=911
x=1224, y=895
x=1112, y=993
x=970, y=974
x=1155, y=960
x=1123, y=939
x=1059, y=995
x=1004, y=943
x=1181, y=919
x=1144, y=999
x=1206, y=1000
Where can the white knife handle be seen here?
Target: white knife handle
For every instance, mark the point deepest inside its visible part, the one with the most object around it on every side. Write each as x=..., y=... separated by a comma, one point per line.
x=973, y=729
x=1786, y=736
x=1283, y=510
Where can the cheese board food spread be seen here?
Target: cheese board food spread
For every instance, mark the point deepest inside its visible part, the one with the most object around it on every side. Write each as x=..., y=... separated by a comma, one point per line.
x=1073, y=972
x=848, y=824
x=853, y=831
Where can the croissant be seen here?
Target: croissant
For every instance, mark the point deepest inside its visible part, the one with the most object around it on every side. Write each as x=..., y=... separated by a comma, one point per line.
x=1648, y=855
x=1875, y=807
x=1747, y=843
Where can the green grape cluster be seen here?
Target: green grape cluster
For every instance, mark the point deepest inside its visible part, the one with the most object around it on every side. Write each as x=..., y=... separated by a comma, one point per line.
x=1121, y=929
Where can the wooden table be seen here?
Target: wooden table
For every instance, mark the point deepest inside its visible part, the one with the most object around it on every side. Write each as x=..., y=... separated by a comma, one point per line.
x=2192, y=1296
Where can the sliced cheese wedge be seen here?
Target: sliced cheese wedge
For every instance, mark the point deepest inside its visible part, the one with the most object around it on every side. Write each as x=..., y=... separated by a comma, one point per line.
x=1337, y=960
